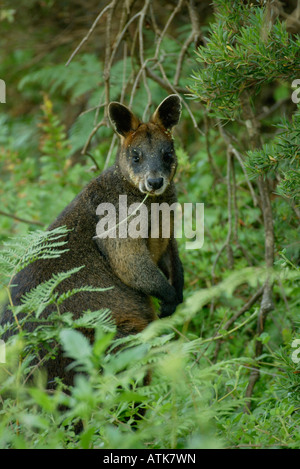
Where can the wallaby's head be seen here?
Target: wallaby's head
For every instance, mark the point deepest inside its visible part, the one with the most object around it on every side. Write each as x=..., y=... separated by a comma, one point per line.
x=147, y=157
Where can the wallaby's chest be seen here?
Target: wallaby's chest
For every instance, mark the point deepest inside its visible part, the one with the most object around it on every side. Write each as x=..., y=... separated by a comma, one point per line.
x=161, y=228
x=157, y=247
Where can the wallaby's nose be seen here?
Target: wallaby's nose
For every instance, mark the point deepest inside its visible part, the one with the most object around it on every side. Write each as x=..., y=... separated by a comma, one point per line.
x=155, y=183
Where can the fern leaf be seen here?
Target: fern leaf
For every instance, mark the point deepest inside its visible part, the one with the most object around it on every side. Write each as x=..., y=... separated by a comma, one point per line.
x=20, y=252
x=43, y=295
x=101, y=318
x=64, y=296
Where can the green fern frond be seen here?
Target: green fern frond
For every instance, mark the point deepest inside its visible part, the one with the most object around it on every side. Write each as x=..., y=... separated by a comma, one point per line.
x=81, y=76
x=101, y=318
x=72, y=292
x=20, y=252
x=38, y=298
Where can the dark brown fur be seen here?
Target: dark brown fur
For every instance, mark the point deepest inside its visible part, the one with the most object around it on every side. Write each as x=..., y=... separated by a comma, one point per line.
x=136, y=268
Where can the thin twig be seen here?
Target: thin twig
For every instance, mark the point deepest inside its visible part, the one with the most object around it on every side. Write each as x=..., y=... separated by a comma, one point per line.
x=141, y=54
x=222, y=336
x=171, y=17
x=102, y=123
x=229, y=207
x=22, y=220
x=108, y=53
x=228, y=139
x=110, y=151
x=124, y=219
x=183, y=51
x=243, y=310
x=229, y=231
x=193, y=37
x=85, y=39
x=240, y=160
x=93, y=160
x=173, y=89
x=165, y=85
x=215, y=170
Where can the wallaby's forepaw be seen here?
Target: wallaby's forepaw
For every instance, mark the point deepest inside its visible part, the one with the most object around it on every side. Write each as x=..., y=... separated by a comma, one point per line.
x=180, y=297
x=167, y=309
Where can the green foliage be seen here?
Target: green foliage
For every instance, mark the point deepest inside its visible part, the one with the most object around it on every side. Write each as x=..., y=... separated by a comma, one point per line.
x=242, y=53
x=242, y=63
x=246, y=52
x=79, y=77
x=200, y=367
x=275, y=420
x=30, y=185
x=281, y=156
x=188, y=404
x=19, y=253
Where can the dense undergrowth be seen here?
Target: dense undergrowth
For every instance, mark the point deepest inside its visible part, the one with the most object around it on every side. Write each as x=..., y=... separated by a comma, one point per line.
x=201, y=358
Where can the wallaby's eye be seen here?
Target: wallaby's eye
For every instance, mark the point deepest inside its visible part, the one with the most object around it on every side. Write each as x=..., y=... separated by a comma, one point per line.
x=136, y=156
x=168, y=155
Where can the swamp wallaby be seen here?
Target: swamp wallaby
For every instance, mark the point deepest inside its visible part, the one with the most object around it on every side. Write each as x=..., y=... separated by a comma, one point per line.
x=137, y=268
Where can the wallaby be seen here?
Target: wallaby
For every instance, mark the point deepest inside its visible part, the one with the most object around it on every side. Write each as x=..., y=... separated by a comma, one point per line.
x=137, y=268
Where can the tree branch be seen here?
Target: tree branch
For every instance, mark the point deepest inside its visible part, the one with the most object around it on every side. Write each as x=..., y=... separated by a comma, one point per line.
x=22, y=220
x=266, y=306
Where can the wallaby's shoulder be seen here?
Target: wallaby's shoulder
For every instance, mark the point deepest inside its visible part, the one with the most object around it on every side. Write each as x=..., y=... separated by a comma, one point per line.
x=103, y=188
x=99, y=190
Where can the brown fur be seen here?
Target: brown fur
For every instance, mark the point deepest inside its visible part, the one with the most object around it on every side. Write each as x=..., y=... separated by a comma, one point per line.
x=136, y=268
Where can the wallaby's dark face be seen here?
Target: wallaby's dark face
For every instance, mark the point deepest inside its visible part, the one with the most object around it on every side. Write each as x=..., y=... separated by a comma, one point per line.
x=147, y=157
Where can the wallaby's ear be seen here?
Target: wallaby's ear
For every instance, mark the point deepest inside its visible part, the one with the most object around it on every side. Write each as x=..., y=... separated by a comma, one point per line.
x=168, y=112
x=122, y=118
